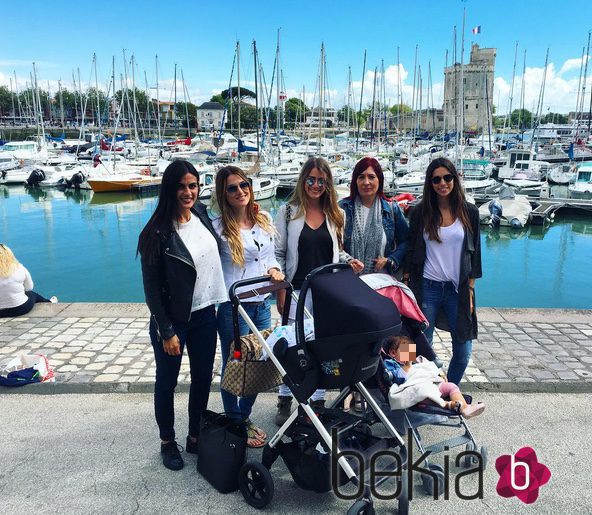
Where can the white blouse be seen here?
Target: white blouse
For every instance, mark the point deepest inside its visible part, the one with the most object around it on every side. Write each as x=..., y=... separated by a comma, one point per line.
x=259, y=254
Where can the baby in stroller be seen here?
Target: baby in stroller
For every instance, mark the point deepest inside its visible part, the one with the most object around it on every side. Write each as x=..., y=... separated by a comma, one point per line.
x=415, y=378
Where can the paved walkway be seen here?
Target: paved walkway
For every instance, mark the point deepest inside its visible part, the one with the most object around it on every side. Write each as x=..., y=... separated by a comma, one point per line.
x=105, y=347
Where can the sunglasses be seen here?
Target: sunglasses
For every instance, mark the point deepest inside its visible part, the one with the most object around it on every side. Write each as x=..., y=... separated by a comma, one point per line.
x=233, y=188
x=448, y=178
x=310, y=181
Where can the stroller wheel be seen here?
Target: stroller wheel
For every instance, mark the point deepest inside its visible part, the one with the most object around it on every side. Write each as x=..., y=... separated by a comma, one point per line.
x=361, y=507
x=256, y=484
x=484, y=456
x=469, y=461
x=430, y=486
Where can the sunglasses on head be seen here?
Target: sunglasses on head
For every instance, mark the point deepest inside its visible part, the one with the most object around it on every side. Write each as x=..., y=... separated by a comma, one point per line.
x=233, y=188
x=310, y=181
x=448, y=178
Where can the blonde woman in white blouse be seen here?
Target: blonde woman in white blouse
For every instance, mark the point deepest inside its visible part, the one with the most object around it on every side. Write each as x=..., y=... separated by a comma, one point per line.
x=247, y=251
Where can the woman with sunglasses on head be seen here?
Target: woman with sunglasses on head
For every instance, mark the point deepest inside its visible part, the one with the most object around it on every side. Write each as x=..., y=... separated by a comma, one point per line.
x=444, y=259
x=310, y=234
x=247, y=251
x=16, y=286
x=375, y=229
x=183, y=281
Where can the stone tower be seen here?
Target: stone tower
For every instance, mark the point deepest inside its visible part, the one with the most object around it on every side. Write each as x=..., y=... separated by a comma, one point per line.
x=478, y=91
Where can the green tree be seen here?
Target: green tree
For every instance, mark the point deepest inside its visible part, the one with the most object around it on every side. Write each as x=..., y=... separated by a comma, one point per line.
x=6, y=100
x=402, y=108
x=295, y=110
x=554, y=118
x=525, y=117
x=233, y=94
x=28, y=98
x=218, y=98
x=182, y=113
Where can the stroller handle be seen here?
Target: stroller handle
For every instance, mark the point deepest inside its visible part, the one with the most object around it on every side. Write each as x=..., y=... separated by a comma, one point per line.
x=236, y=298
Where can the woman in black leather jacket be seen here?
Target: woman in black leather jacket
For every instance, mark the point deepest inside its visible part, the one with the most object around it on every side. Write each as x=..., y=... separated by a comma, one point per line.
x=183, y=281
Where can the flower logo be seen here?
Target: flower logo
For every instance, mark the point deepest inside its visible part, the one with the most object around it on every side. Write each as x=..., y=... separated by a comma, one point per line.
x=521, y=475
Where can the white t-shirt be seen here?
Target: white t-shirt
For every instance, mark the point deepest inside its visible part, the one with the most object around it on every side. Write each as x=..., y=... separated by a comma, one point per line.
x=443, y=259
x=209, y=283
x=13, y=288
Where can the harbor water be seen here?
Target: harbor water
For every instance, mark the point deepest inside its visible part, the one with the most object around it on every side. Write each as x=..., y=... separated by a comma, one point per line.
x=81, y=247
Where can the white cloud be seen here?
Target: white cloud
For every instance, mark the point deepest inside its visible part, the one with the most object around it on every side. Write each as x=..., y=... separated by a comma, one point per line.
x=560, y=93
x=573, y=64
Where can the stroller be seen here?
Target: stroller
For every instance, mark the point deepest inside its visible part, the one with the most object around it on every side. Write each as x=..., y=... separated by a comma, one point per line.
x=425, y=413
x=351, y=322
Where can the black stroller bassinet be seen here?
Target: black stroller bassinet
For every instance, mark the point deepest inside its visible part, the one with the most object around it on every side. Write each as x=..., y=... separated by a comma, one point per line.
x=350, y=323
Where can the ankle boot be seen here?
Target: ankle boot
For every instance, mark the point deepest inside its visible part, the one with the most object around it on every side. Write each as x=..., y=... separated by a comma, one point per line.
x=284, y=407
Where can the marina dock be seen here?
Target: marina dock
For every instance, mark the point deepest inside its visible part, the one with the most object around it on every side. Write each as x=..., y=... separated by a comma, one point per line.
x=102, y=347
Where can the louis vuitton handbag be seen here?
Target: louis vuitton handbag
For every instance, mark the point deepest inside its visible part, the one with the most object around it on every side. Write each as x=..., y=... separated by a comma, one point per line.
x=245, y=373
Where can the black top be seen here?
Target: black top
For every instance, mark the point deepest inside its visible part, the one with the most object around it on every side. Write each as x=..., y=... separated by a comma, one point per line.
x=315, y=248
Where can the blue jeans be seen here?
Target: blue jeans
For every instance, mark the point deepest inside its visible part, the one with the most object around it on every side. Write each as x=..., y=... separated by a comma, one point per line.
x=260, y=314
x=199, y=336
x=438, y=295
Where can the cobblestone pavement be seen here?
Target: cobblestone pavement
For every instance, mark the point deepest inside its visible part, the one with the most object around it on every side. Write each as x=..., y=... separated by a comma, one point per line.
x=105, y=347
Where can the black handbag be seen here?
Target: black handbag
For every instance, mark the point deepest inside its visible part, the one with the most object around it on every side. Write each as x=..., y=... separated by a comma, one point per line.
x=221, y=450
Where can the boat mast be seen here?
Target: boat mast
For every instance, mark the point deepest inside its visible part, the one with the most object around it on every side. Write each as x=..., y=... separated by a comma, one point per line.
x=185, y=98
x=444, y=124
x=238, y=82
x=277, y=110
x=321, y=94
x=358, y=118
x=462, y=90
x=158, y=104
x=509, y=113
x=256, y=97
x=61, y=103
x=373, y=108
x=580, y=111
x=539, y=110
x=522, y=93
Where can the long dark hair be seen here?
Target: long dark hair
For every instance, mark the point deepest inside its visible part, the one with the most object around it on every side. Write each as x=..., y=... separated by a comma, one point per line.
x=167, y=209
x=432, y=218
x=361, y=166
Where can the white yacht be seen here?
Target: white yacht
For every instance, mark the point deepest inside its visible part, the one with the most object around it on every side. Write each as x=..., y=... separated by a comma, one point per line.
x=582, y=187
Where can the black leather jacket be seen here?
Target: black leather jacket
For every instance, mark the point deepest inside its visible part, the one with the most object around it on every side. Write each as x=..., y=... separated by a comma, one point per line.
x=169, y=281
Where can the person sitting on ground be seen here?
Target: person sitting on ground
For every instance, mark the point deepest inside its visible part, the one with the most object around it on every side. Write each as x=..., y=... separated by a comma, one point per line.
x=16, y=286
x=432, y=381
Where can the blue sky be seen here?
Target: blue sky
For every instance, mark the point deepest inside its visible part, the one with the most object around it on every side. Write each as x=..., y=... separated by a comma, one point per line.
x=200, y=37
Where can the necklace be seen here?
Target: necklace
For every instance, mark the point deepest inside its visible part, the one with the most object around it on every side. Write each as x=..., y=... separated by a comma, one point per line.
x=183, y=220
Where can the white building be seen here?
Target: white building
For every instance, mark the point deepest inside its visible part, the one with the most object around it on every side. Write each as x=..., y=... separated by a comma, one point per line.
x=209, y=116
x=329, y=117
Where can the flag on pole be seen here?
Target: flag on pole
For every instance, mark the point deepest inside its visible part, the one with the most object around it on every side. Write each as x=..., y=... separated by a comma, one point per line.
x=477, y=29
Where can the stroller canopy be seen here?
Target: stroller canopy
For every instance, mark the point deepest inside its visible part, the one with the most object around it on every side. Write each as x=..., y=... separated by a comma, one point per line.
x=344, y=306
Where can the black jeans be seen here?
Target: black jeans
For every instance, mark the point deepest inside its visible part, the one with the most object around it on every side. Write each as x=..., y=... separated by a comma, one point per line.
x=199, y=336
x=23, y=309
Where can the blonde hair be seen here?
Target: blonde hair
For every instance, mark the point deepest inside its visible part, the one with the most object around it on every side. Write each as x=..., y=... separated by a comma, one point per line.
x=230, y=225
x=299, y=198
x=8, y=263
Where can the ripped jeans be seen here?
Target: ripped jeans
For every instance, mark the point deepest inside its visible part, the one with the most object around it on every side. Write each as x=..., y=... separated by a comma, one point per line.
x=438, y=295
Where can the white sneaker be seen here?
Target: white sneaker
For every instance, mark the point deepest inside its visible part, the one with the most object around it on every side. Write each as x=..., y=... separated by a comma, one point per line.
x=53, y=300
